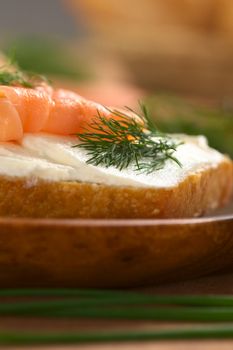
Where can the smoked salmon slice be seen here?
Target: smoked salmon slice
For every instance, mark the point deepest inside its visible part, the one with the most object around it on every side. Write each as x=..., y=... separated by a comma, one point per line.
x=33, y=106
x=59, y=111
x=72, y=113
x=10, y=123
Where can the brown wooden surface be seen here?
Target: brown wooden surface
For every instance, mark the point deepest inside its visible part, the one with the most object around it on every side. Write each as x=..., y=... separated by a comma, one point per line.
x=89, y=253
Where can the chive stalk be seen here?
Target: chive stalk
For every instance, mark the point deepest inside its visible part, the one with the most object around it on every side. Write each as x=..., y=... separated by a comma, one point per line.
x=16, y=338
x=97, y=297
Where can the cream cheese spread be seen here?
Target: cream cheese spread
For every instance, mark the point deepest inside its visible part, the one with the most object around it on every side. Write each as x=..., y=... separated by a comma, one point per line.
x=53, y=158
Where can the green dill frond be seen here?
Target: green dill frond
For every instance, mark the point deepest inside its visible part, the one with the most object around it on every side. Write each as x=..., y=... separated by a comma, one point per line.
x=12, y=75
x=127, y=141
x=14, y=78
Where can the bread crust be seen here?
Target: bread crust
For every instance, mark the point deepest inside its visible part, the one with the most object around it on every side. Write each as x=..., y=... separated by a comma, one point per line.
x=196, y=195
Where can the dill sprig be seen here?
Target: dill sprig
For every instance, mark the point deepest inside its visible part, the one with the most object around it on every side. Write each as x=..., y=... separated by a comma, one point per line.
x=12, y=75
x=14, y=78
x=120, y=141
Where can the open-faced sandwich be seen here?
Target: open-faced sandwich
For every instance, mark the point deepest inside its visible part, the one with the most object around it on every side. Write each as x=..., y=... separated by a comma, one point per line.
x=64, y=156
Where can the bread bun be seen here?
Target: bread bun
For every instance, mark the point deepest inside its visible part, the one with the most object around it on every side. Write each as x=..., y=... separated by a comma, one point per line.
x=196, y=195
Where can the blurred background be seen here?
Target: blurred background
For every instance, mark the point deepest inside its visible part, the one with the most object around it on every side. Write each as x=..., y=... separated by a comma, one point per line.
x=175, y=55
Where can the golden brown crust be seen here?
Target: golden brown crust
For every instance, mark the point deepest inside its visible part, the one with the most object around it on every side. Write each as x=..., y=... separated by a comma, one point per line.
x=196, y=195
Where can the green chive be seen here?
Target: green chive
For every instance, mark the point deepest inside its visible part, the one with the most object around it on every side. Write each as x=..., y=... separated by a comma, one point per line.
x=15, y=338
x=76, y=309
x=123, y=297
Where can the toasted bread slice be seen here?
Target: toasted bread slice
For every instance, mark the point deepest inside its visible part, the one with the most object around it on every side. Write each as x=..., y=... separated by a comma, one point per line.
x=197, y=194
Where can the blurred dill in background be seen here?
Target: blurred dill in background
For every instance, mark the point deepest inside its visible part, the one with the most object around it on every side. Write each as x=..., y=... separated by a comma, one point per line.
x=174, y=114
x=47, y=56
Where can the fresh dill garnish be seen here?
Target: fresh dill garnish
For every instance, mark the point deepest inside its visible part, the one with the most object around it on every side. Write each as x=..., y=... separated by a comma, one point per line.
x=12, y=75
x=14, y=78
x=124, y=141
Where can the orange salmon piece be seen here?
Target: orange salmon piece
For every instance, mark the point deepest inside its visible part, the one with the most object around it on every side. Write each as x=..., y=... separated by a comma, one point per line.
x=61, y=112
x=10, y=123
x=65, y=94
x=65, y=117
x=72, y=113
x=32, y=105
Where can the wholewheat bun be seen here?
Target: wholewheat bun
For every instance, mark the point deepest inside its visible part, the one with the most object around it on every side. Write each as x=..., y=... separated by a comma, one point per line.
x=199, y=193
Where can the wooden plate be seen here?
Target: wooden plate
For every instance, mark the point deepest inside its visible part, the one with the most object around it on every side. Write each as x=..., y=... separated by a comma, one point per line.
x=113, y=253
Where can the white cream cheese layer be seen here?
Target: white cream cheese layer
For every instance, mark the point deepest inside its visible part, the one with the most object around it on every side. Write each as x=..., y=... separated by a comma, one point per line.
x=54, y=158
